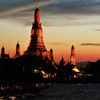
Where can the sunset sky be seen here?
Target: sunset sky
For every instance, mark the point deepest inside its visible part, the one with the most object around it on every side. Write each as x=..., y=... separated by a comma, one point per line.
x=64, y=22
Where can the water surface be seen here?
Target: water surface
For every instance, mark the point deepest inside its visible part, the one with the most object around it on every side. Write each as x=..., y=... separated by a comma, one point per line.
x=63, y=92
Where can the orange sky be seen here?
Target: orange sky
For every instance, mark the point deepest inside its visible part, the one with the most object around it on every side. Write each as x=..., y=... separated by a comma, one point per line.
x=59, y=38
x=60, y=31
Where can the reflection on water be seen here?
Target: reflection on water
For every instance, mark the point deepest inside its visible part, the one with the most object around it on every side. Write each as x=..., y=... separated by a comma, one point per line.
x=63, y=92
x=12, y=97
x=2, y=99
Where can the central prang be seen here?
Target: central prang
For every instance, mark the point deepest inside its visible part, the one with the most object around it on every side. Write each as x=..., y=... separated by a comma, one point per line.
x=36, y=46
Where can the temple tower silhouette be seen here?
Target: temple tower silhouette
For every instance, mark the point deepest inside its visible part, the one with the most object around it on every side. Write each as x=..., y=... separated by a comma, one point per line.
x=73, y=60
x=3, y=50
x=3, y=55
x=72, y=57
x=17, y=50
x=62, y=62
x=51, y=54
x=36, y=46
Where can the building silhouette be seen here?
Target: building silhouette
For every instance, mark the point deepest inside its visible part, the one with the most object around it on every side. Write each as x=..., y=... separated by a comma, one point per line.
x=72, y=57
x=36, y=46
x=17, y=50
x=36, y=55
x=3, y=55
x=62, y=62
x=73, y=60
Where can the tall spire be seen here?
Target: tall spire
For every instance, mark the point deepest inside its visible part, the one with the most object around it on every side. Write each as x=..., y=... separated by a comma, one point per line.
x=17, y=50
x=36, y=43
x=37, y=16
x=36, y=46
x=72, y=46
x=62, y=62
x=72, y=50
x=51, y=53
x=3, y=50
x=72, y=58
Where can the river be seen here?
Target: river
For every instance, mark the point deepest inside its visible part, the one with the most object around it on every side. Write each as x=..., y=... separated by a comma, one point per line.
x=63, y=92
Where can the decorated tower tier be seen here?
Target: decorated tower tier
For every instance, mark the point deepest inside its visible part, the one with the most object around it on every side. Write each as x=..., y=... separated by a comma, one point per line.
x=36, y=46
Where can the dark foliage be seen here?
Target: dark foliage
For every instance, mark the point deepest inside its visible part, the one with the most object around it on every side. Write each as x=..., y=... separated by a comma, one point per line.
x=22, y=69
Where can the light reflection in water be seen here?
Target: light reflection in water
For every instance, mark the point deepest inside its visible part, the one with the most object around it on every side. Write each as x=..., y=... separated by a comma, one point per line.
x=1, y=98
x=12, y=97
x=79, y=84
x=42, y=84
x=62, y=92
x=23, y=96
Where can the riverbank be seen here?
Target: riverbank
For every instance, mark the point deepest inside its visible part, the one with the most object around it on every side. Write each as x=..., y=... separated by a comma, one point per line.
x=22, y=88
x=62, y=92
x=8, y=88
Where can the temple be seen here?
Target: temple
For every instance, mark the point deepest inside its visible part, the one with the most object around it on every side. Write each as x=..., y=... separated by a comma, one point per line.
x=73, y=60
x=17, y=50
x=62, y=62
x=36, y=46
x=3, y=55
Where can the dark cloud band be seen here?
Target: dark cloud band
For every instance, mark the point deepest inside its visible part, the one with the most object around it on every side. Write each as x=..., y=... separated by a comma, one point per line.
x=90, y=44
x=24, y=8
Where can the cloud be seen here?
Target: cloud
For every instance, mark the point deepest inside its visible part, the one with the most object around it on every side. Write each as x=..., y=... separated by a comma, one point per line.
x=56, y=10
x=50, y=7
x=97, y=29
x=90, y=44
x=15, y=8
x=73, y=7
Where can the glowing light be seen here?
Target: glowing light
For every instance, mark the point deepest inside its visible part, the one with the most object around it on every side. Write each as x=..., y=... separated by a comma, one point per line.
x=35, y=70
x=43, y=72
x=12, y=97
x=76, y=69
x=75, y=76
